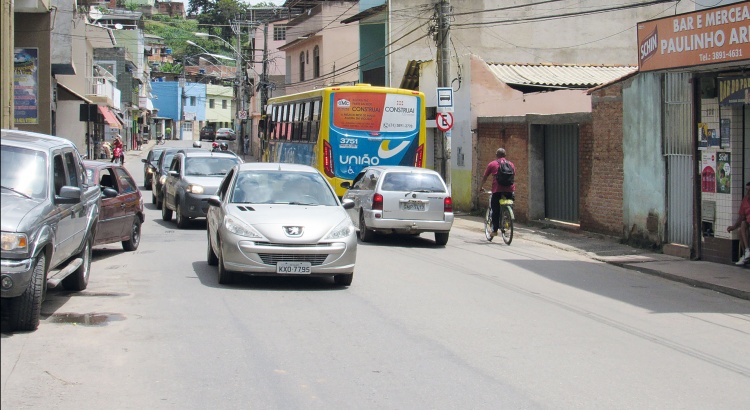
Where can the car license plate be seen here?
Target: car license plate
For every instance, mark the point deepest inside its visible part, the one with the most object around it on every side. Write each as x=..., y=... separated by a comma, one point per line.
x=294, y=268
x=412, y=206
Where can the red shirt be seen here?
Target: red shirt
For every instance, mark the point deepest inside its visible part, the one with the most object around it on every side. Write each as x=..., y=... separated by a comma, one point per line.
x=492, y=168
x=745, y=208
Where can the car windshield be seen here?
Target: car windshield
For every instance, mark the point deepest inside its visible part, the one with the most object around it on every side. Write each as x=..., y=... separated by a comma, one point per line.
x=168, y=155
x=24, y=172
x=209, y=166
x=282, y=187
x=412, y=182
x=155, y=156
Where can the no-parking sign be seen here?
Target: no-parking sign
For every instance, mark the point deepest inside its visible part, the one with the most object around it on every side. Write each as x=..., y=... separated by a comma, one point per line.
x=444, y=121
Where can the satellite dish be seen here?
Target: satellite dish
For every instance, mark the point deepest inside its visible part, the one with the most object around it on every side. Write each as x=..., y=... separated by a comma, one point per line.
x=95, y=14
x=118, y=26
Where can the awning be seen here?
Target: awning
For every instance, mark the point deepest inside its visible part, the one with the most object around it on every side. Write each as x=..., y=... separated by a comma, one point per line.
x=110, y=117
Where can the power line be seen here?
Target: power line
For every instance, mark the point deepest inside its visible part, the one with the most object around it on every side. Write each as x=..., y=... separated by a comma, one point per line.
x=563, y=15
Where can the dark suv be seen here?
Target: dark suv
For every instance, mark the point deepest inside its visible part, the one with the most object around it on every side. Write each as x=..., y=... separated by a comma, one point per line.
x=194, y=176
x=208, y=133
x=49, y=221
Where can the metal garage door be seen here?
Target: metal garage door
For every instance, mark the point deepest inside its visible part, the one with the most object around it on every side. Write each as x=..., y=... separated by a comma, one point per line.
x=678, y=150
x=561, y=172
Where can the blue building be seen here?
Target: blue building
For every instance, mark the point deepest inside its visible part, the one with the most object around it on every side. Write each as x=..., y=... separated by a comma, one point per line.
x=169, y=105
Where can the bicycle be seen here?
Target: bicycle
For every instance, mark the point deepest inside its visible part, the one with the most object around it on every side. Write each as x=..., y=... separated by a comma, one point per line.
x=160, y=140
x=506, y=219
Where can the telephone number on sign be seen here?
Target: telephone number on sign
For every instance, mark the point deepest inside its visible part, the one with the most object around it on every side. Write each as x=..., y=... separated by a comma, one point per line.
x=721, y=55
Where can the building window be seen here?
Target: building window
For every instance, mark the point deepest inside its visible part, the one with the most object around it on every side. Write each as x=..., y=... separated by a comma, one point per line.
x=192, y=101
x=279, y=32
x=316, y=62
x=224, y=104
x=302, y=66
x=211, y=103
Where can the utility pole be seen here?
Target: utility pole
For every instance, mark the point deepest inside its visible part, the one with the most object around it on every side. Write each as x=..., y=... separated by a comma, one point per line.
x=239, y=80
x=264, y=77
x=443, y=162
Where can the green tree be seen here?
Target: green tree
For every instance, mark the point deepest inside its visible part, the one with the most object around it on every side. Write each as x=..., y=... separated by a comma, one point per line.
x=216, y=15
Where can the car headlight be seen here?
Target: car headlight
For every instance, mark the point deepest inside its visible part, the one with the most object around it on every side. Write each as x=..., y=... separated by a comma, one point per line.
x=194, y=188
x=15, y=242
x=162, y=179
x=240, y=228
x=342, y=230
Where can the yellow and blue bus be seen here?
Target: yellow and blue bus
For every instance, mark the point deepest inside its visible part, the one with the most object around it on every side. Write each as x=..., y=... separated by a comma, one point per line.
x=340, y=130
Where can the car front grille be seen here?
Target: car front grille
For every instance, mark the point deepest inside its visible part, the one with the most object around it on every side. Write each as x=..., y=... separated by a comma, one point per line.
x=273, y=258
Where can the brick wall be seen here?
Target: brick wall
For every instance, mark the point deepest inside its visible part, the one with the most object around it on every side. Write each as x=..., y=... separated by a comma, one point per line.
x=601, y=164
x=511, y=134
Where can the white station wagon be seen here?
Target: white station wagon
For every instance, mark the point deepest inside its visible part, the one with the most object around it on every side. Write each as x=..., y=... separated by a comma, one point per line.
x=400, y=199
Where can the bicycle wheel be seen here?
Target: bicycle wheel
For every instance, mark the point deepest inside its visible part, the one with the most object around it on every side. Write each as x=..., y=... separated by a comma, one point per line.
x=506, y=225
x=488, y=224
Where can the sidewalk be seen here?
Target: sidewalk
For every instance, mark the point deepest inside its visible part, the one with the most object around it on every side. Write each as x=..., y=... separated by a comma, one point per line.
x=729, y=279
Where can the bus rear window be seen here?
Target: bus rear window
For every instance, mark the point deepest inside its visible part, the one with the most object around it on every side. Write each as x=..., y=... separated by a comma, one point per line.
x=375, y=112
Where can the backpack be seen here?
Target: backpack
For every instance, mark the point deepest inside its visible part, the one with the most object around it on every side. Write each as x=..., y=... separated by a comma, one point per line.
x=505, y=174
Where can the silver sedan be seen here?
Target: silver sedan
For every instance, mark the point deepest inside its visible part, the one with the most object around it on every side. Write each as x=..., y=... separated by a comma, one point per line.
x=279, y=219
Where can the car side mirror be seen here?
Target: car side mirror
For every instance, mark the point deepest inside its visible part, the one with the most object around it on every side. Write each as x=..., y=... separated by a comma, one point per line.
x=109, y=192
x=347, y=203
x=346, y=185
x=214, y=201
x=69, y=195
x=174, y=173
x=144, y=160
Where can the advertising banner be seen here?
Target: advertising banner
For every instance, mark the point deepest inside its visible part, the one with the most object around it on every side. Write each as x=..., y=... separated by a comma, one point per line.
x=375, y=112
x=26, y=85
x=724, y=168
x=734, y=90
x=710, y=36
x=708, y=172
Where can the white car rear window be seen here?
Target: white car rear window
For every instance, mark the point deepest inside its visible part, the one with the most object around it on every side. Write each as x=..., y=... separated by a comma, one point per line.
x=412, y=181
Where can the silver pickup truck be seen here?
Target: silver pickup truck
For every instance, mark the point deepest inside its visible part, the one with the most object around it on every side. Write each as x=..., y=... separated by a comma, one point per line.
x=49, y=217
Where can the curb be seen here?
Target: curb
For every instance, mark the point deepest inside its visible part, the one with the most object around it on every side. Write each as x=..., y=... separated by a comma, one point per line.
x=688, y=281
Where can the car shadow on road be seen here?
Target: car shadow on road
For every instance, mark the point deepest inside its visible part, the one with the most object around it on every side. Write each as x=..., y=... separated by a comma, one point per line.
x=208, y=275
x=425, y=240
x=192, y=225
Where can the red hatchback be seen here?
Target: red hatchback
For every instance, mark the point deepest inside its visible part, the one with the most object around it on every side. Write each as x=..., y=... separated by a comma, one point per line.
x=121, y=213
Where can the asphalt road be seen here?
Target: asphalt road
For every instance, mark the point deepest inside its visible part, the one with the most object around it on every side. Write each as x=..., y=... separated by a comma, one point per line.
x=473, y=325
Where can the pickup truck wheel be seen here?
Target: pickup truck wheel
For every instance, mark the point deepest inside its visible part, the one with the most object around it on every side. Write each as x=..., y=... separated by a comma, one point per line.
x=182, y=221
x=166, y=213
x=135, y=235
x=79, y=279
x=25, y=309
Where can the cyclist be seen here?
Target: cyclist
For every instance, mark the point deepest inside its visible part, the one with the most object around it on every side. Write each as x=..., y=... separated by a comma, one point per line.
x=498, y=191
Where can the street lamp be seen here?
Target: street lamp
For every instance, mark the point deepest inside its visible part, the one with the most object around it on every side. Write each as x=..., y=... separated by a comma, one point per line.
x=215, y=56
x=239, y=78
x=205, y=35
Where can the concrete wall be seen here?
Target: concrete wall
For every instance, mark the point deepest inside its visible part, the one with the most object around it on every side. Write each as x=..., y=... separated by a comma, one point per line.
x=644, y=169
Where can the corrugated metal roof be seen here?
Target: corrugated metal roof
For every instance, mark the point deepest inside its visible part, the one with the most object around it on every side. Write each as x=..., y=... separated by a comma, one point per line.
x=565, y=76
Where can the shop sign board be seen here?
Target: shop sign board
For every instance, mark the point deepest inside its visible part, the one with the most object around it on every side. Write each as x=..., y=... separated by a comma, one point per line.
x=710, y=36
